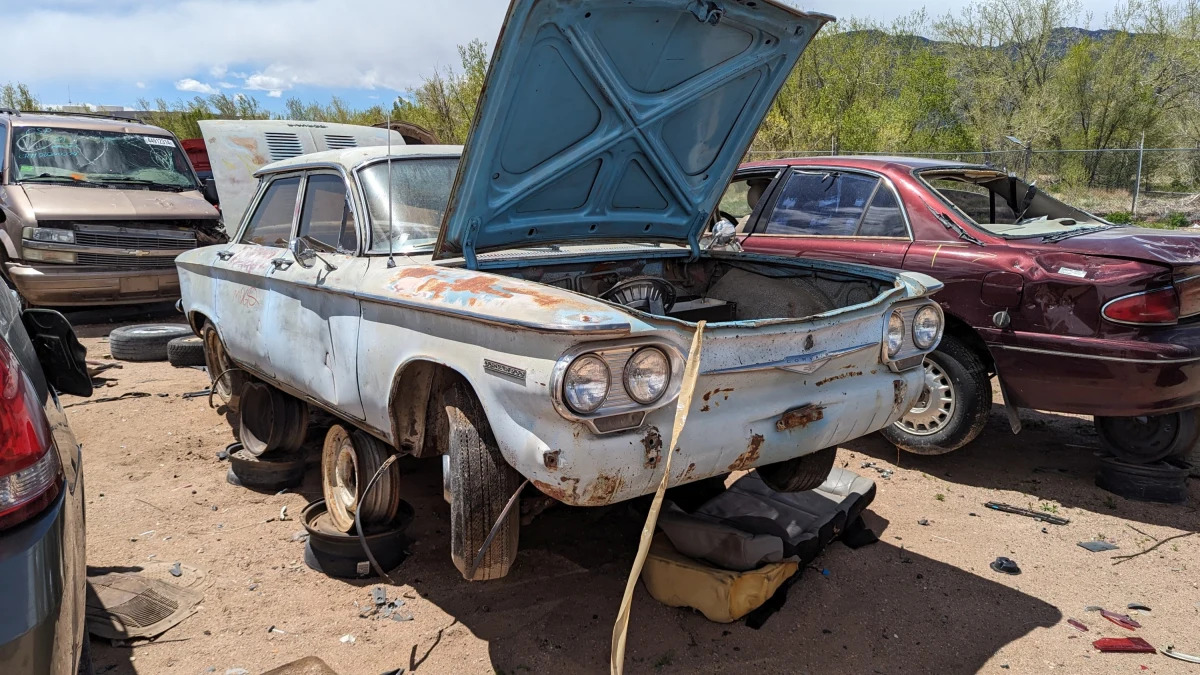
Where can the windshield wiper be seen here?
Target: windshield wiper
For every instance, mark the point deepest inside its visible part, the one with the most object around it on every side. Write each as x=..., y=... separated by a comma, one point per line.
x=147, y=183
x=54, y=176
x=1059, y=236
x=948, y=223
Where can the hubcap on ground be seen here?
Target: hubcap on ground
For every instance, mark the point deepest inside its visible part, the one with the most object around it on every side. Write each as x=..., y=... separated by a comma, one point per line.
x=935, y=407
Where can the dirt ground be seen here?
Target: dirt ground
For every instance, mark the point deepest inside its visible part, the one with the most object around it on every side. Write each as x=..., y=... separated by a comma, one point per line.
x=921, y=600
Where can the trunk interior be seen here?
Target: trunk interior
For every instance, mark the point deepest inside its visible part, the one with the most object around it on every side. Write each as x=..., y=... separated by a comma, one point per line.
x=710, y=290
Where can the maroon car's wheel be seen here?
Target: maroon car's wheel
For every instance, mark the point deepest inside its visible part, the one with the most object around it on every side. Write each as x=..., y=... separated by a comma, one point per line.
x=1149, y=438
x=954, y=405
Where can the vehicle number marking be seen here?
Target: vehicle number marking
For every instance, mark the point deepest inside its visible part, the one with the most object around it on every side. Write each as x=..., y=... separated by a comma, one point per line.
x=155, y=140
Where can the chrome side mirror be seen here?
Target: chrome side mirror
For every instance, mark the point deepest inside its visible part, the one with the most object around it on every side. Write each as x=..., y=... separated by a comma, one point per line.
x=302, y=252
x=722, y=237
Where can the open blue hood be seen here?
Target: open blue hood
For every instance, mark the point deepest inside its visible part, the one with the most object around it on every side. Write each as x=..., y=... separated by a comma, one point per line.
x=616, y=120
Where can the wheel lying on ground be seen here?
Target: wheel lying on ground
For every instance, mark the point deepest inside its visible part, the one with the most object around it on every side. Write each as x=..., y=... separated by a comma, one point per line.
x=798, y=474
x=270, y=473
x=1149, y=438
x=348, y=462
x=186, y=351
x=954, y=404
x=227, y=379
x=481, y=483
x=147, y=342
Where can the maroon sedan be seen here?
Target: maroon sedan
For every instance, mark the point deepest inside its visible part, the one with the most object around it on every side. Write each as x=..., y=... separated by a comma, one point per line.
x=1071, y=313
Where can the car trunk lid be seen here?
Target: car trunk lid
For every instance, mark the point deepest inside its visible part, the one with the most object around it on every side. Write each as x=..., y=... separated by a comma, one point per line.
x=605, y=120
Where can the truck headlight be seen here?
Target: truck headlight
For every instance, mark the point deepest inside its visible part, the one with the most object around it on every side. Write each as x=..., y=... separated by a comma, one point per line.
x=895, y=334
x=926, y=326
x=49, y=234
x=585, y=385
x=647, y=374
x=44, y=255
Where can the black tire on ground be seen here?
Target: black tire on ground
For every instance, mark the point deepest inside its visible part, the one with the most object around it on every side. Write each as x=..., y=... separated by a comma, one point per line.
x=228, y=380
x=144, y=342
x=186, y=351
x=955, y=406
x=481, y=483
x=799, y=474
x=1149, y=438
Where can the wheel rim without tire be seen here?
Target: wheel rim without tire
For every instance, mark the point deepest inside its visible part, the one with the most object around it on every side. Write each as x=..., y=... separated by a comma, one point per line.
x=218, y=364
x=1141, y=439
x=339, y=474
x=934, y=409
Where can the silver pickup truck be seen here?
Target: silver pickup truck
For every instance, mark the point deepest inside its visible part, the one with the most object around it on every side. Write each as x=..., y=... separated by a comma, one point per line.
x=525, y=308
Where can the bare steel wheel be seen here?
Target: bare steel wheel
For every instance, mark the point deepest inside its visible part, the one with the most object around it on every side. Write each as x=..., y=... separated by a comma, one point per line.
x=348, y=461
x=935, y=407
x=227, y=379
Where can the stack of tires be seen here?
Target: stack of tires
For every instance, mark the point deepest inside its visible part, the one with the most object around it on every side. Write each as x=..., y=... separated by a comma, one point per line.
x=272, y=427
x=1147, y=458
x=157, y=342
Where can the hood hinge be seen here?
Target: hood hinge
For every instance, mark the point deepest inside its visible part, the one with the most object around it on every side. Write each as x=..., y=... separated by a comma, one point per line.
x=707, y=12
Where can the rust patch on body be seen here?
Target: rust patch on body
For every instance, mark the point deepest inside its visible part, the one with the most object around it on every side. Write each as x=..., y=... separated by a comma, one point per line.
x=414, y=273
x=900, y=392
x=840, y=376
x=551, y=490
x=652, y=442
x=708, y=395
x=550, y=459
x=748, y=458
x=800, y=417
x=705, y=409
x=601, y=491
x=688, y=473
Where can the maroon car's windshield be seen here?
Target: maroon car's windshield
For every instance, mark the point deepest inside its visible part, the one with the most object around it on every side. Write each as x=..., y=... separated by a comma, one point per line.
x=1006, y=205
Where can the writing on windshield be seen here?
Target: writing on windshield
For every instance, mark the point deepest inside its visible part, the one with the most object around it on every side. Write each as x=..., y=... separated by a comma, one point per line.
x=99, y=157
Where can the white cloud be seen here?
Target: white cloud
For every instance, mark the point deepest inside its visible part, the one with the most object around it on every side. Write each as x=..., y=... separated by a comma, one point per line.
x=275, y=93
x=292, y=42
x=196, y=86
x=226, y=85
x=140, y=85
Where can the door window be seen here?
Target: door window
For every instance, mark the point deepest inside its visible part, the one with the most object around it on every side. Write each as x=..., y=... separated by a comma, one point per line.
x=271, y=222
x=742, y=196
x=326, y=216
x=835, y=204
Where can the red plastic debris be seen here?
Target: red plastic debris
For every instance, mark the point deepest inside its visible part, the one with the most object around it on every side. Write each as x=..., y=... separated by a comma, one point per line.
x=1128, y=645
x=1078, y=624
x=1120, y=619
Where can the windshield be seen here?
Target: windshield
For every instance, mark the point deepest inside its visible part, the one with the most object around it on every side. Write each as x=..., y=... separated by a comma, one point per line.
x=420, y=192
x=99, y=158
x=1006, y=205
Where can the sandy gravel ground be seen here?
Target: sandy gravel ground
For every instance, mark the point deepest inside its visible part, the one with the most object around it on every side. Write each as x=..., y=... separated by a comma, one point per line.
x=922, y=600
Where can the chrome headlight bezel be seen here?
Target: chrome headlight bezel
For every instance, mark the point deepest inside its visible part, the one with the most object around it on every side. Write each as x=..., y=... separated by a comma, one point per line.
x=620, y=411
x=893, y=335
x=932, y=338
x=627, y=377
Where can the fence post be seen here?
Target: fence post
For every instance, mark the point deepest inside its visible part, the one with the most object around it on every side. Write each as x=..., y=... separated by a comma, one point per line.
x=1137, y=185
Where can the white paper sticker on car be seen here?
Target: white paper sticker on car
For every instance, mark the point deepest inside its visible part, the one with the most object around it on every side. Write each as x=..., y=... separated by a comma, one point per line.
x=1072, y=273
x=157, y=140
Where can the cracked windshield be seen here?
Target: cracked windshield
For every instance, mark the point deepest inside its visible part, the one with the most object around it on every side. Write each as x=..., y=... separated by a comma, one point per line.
x=99, y=158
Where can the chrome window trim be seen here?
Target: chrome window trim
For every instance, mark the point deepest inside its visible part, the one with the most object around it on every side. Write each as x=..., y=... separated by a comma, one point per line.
x=354, y=208
x=263, y=186
x=1094, y=357
x=367, y=242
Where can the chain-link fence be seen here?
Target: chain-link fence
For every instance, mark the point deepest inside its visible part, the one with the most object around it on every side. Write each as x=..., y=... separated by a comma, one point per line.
x=1153, y=185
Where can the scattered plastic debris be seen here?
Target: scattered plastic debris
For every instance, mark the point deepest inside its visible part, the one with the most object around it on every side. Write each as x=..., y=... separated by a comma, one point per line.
x=1005, y=565
x=283, y=513
x=1093, y=608
x=1128, y=645
x=383, y=608
x=1044, y=517
x=1098, y=546
x=1120, y=619
x=273, y=629
x=1078, y=625
x=300, y=536
x=923, y=521
x=1170, y=651
x=1138, y=606
x=347, y=639
x=883, y=473
x=177, y=570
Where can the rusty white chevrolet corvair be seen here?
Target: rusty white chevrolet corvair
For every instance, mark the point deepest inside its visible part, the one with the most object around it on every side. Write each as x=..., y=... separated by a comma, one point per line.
x=525, y=309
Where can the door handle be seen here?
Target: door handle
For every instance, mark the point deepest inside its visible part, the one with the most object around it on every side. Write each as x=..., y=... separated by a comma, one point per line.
x=224, y=255
x=281, y=263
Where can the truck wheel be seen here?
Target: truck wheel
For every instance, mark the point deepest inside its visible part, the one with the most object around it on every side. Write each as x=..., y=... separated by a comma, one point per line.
x=798, y=474
x=954, y=405
x=481, y=483
x=228, y=380
x=147, y=342
x=186, y=351
x=1149, y=438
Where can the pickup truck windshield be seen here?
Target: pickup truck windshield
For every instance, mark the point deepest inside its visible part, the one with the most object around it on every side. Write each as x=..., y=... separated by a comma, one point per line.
x=420, y=191
x=99, y=158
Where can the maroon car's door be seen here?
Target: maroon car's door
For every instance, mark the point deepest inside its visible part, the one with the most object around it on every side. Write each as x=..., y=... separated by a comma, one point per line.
x=832, y=214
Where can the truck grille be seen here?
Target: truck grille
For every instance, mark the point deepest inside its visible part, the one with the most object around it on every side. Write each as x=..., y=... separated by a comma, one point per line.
x=127, y=261
x=142, y=241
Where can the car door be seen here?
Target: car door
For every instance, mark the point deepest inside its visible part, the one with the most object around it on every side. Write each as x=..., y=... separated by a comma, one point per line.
x=242, y=272
x=313, y=313
x=832, y=214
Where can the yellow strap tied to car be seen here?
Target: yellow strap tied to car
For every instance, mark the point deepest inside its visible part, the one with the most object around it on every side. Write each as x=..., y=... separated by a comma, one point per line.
x=690, y=372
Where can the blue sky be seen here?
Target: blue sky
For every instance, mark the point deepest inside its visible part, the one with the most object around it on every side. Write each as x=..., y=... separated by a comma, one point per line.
x=113, y=52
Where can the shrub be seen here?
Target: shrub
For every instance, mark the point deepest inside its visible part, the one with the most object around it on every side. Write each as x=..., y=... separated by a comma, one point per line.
x=1177, y=219
x=1120, y=217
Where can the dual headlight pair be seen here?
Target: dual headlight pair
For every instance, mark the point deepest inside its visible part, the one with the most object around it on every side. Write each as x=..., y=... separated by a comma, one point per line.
x=587, y=381
x=927, y=323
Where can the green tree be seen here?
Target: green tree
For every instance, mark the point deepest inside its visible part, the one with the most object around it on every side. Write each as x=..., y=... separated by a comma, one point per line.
x=17, y=97
x=445, y=101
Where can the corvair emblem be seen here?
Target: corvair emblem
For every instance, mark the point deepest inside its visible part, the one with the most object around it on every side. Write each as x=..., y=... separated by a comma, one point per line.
x=504, y=370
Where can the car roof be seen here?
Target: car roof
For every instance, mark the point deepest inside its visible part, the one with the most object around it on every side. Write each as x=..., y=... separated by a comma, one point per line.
x=83, y=122
x=872, y=162
x=349, y=158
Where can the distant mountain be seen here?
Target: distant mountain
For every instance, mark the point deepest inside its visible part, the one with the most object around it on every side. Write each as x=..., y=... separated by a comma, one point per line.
x=1061, y=39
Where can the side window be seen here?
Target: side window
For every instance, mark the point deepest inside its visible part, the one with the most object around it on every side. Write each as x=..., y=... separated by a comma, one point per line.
x=884, y=218
x=821, y=204
x=326, y=215
x=271, y=222
x=742, y=196
x=3, y=146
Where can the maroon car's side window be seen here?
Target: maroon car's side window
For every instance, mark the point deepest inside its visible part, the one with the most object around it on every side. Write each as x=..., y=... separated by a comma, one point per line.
x=836, y=204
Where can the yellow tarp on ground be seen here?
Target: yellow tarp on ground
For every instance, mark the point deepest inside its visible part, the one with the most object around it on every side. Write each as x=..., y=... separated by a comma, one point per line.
x=721, y=595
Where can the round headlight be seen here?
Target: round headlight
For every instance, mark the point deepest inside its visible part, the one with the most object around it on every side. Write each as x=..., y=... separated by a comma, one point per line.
x=926, y=326
x=895, y=334
x=585, y=385
x=646, y=375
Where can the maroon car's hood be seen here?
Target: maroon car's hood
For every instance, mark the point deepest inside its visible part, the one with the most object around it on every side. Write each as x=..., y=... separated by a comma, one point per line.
x=1136, y=243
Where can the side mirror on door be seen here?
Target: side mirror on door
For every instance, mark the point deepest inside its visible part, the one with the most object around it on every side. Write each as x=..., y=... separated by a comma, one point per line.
x=210, y=191
x=63, y=359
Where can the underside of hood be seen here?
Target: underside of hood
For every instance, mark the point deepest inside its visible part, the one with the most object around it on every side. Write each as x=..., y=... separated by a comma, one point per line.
x=618, y=121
